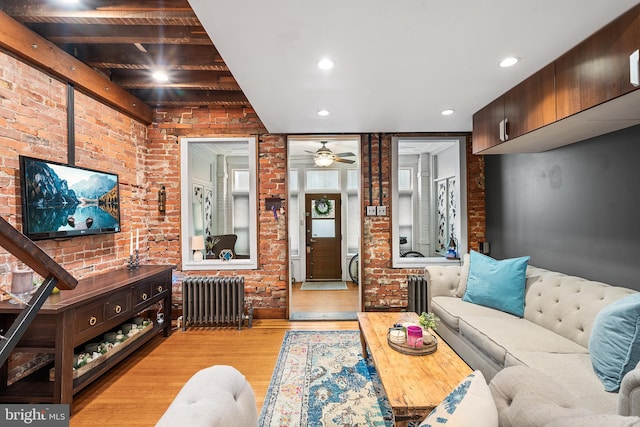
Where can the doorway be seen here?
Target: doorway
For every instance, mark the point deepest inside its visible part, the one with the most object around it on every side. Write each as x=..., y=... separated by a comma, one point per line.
x=324, y=226
x=323, y=237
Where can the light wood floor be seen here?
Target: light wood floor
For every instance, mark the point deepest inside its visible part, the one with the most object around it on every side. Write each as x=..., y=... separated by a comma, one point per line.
x=325, y=301
x=138, y=391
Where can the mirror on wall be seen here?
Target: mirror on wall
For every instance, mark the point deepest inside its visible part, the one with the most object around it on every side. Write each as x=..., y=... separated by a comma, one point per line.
x=428, y=199
x=218, y=188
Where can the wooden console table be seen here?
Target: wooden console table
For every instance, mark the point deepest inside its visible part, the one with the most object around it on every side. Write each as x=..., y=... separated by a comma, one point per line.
x=72, y=318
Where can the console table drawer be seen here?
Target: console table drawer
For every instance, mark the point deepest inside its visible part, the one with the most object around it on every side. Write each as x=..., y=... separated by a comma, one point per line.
x=118, y=305
x=141, y=294
x=88, y=317
x=159, y=288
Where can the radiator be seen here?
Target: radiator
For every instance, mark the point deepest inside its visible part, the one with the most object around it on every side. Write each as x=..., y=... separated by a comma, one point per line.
x=212, y=301
x=417, y=288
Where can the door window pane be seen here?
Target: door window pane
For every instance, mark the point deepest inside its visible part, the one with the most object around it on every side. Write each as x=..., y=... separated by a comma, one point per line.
x=323, y=228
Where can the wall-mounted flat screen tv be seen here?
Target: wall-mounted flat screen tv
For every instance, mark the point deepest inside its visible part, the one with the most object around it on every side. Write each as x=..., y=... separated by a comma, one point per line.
x=60, y=201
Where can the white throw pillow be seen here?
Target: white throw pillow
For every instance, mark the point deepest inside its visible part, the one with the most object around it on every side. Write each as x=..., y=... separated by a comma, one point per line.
x=469, y=404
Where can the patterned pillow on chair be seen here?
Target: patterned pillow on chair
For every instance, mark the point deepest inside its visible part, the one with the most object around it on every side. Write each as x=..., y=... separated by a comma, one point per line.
x=469, y=404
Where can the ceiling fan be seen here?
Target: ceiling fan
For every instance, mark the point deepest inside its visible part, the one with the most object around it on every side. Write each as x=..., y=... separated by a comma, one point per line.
x=324, y=157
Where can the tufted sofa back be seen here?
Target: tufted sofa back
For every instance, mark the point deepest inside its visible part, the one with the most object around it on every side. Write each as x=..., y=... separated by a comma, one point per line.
x=565, y=304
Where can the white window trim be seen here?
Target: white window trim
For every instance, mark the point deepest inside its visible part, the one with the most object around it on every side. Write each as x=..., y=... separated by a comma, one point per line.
x=185, y=210
x=461, y=189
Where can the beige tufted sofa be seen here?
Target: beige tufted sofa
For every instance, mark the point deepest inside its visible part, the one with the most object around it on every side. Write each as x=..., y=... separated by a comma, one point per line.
x=552, y=337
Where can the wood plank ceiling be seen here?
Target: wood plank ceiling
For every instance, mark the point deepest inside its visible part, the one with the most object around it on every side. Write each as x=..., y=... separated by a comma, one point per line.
x=127, y=40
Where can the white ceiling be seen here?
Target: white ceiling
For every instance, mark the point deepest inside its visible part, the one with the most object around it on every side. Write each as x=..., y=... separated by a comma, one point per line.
x=398, y=63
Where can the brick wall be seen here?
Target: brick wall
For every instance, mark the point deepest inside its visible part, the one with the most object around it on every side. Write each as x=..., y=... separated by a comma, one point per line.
x=33, y=122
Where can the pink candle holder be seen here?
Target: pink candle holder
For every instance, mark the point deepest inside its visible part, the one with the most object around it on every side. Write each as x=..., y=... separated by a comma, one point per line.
x=414, y=336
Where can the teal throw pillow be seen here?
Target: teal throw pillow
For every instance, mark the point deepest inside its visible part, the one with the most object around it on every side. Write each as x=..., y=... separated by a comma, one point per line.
x=614, y=344
x=497, y=284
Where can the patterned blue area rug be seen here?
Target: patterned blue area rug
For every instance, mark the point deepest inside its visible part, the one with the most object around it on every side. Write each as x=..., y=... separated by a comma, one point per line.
x=321, y=379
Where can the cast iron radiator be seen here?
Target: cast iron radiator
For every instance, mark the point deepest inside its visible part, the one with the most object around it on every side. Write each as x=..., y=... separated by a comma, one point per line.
x=214, y=301
x=417, y=287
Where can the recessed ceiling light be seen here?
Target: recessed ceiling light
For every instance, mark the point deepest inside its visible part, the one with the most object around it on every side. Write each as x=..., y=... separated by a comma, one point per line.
x=447, y=112
x=323, y=112
x=325, y=63
x=160, y=76
x=509, y=61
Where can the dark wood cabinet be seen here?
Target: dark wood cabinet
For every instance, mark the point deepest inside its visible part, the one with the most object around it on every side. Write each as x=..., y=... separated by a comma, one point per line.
x=531, y=104
x=72, y=318
x=486, y=125
x=597, y=70
x=525, y=108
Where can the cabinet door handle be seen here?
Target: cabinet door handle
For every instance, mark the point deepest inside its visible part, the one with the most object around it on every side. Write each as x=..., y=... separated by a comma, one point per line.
x=144, y=296
x=504, y=130
x=118, y=309
x=160, y=288
x=93, y=320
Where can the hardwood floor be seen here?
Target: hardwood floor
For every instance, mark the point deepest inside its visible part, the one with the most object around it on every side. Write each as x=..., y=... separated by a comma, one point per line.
x=138, y=391
x=325, y=301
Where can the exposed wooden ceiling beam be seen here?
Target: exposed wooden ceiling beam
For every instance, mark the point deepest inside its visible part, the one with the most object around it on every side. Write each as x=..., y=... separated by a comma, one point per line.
x=172, y=57
x=109, y=34
x=40, y=52
x=103, y=12
x=142, y=79
x=165, y=97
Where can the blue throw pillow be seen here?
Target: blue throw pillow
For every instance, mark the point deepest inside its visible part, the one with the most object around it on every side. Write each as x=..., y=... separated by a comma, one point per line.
x=497, y=284
x=614, y=344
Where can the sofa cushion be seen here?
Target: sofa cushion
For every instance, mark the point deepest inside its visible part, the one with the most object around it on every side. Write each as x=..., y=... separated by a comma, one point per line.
x=615, y=341
x=525, y=397
x=450, y=309
x=572, y=371
x=499, y=284
x=469, y=403
x=498, y=336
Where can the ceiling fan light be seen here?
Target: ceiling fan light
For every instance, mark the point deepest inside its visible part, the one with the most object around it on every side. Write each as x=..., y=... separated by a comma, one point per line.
x=323, y=161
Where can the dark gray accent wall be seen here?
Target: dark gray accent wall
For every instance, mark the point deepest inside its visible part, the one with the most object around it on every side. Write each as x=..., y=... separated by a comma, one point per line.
x=575, y=209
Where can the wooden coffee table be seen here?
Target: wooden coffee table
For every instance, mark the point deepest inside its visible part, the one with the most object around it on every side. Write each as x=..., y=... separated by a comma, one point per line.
x=414, y=384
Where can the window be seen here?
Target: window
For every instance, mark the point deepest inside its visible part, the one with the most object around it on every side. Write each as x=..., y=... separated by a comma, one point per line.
x=428, y=198
x=219, y=203
x=323, y=179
